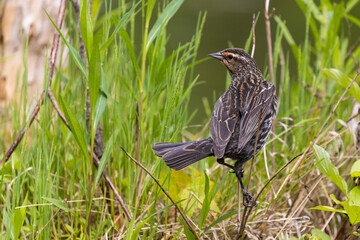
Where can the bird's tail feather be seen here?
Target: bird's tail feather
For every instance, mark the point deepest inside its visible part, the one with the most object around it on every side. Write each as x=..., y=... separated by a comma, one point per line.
x=180, y=155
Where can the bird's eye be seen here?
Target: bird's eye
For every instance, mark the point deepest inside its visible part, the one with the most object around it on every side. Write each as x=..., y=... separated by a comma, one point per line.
x=230, y=56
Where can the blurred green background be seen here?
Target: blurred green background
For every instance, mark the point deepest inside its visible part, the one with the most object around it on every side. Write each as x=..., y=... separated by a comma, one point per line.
x=230, y=22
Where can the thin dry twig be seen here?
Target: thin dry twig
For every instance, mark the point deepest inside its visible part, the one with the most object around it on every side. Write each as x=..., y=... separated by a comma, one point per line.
x=253, y=36
x=57, y=108
x=187, y=222
x=277, y=173
x=52, y=58
x=268, y=38
x=300, y=206
x=242, y=221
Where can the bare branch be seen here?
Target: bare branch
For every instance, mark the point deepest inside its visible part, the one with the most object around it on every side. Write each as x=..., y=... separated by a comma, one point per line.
x=57, y=108
x=268, y=38
x=253, y=36
x=52, y=58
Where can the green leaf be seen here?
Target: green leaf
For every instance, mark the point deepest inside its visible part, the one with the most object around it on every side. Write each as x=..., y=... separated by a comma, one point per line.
x=86, y=27
x=328, y=209
x=189, y=235
x=75, y=127
x=121, y=23
x=135, y=233
x=350, y=4
x=163, y=19
x=94, y=75
x=19, y=217
x=320, y=234
x=354, y=196
x=73, y=53
x=332, y=196
x=130, y=47
x=328, y=169
x=344, y=81
x=58, y=203
x=220, y=219
x=352, y=205
x=100, y=104
x=355, y=170
x=206, y=203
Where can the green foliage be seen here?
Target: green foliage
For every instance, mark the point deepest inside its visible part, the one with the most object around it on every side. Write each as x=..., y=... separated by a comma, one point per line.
x=328, y=169
x=344, y=81
x=162, y=20
x=352, y=204
x=355, y=170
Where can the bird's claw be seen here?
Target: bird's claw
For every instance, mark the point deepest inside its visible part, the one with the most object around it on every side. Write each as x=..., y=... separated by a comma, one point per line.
x=248, y=200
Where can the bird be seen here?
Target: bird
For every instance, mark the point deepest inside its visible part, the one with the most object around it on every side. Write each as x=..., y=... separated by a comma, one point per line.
x=240, y=124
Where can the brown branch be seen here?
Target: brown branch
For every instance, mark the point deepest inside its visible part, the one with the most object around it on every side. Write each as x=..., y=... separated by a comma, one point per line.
x=268, y=38
x=187, y=222
x=52, y=58
x=57, y=108
x=253, y=36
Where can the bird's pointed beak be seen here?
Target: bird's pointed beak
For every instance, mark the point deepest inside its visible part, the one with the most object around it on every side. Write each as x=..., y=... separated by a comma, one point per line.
x=217, y=55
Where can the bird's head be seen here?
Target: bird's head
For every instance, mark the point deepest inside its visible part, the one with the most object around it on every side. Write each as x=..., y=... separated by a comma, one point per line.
x=237, y=60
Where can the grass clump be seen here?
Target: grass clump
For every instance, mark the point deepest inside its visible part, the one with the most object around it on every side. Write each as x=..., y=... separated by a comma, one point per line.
x=139, y=92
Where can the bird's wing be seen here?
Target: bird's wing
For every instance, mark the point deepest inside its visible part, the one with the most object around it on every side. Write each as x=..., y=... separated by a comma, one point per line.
x=223, y=121
x=255, y=108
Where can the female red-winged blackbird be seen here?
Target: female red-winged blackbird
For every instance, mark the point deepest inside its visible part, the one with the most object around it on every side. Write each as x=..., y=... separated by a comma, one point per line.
x=240, y=123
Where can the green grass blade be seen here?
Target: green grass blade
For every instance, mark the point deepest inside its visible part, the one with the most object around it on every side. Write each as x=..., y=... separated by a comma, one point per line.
x=58, y=203
x=94, y=74
x=206, y=203
x=75, y=127
x=130, y=47
x=353, y=19
x=121, y=23
x=73, y=53
x=162, y=20
x=220, y=219
x=86, y=27
x=19, y=217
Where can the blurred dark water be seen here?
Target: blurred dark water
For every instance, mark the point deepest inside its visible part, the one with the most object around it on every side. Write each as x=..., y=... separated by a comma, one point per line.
x=230, y=21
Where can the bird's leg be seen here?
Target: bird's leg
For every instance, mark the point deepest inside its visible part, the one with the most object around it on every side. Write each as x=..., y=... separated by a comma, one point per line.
x=248, y=199
x=222, y=162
